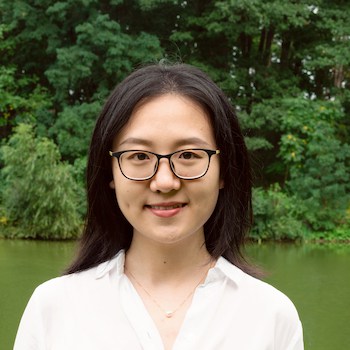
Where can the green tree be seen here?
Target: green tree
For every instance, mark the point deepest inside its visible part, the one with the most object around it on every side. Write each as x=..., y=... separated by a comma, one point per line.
x=39, y=196
x=73, y=128
x=317, y=161
x=78, y=50
x=18, y=103
x=262, y=52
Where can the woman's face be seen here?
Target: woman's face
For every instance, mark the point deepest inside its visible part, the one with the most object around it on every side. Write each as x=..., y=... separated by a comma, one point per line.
x=166, y=209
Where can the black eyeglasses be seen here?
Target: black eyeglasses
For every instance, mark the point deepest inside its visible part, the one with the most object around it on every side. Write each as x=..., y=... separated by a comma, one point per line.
x=187, y=164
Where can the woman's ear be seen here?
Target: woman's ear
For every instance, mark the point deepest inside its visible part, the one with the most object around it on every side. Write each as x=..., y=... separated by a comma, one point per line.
x=221, y=184
x=112, y=185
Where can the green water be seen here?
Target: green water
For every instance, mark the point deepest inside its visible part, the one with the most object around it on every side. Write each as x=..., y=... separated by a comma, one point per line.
x=315, y=277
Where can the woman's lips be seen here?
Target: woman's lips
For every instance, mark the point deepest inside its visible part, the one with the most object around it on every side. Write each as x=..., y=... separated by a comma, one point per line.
x=165, y=210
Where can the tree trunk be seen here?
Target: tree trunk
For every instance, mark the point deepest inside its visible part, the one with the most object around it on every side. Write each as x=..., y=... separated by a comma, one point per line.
x=285, y=50
x=338, y=75
x=269, y=40
x=262, y=41
x=245, y=44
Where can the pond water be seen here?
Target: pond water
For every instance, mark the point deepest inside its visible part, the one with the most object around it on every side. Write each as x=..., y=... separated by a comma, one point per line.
x=315, y=277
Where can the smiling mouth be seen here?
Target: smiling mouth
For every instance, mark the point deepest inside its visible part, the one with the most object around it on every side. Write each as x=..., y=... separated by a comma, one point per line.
x=166, y=207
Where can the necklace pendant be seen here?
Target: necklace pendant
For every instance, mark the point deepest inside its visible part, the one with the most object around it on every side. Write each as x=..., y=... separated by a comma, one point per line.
x=169, y=314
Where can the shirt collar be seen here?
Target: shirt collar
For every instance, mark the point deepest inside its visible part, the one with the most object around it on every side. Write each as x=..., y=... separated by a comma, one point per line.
x=117, y=262
x=222, y=268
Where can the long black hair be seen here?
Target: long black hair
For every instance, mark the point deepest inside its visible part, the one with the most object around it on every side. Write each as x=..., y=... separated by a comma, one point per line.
x=106, y=230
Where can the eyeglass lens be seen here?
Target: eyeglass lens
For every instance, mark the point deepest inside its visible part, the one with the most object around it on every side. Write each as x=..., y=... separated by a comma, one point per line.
x=185, y=164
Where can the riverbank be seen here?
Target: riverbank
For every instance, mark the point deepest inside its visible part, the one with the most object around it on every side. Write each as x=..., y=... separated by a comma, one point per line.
x=339, y=236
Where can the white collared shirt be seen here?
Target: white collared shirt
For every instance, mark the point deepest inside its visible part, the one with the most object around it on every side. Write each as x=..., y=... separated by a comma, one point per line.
x=99, y=309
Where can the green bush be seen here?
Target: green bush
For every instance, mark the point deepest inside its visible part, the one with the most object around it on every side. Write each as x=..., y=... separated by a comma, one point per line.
x=39, y=195
x=340, y=234
x=277, y=216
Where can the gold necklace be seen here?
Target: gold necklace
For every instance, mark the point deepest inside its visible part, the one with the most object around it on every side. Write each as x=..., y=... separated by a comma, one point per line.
x=167, y=313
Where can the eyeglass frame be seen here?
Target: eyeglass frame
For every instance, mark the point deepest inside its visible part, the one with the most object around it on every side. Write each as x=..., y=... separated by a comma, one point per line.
x=209, y=152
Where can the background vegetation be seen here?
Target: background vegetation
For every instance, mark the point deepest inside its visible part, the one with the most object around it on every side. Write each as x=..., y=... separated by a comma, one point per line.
x=284, y=65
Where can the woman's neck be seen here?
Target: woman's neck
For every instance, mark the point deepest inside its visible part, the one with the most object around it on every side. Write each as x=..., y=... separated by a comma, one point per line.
x=160, y=263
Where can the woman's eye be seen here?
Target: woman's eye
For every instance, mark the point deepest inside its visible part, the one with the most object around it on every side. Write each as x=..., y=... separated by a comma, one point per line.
x=139, y=156
x=142, y=156
x=188, y=155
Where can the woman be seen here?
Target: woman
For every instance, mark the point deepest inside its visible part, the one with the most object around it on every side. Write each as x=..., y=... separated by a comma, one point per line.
x=169, y=207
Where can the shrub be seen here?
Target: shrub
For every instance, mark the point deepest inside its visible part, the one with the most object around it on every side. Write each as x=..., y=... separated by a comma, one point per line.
x=39, y=195
x=277, y=216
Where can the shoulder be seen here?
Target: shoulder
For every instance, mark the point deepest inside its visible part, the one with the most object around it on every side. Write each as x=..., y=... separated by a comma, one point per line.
x=81, y=286
x=59, y=287
x=58, y=305
x=270, y=305
x=82, y=282
x=261, y=308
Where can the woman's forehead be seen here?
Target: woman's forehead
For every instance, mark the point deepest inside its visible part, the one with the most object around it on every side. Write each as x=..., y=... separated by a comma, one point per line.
x=165, y=118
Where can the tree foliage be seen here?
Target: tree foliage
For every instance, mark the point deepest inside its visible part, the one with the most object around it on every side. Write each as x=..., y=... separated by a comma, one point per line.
x=284, y=65
x=318, y=162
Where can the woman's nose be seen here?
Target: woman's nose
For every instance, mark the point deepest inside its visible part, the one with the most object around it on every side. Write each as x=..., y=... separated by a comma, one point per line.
x=164, y=179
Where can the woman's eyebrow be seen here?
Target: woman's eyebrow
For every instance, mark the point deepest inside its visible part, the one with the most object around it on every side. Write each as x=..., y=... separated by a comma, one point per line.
x=193, y=141
x=136, y=141
x=181, y=142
